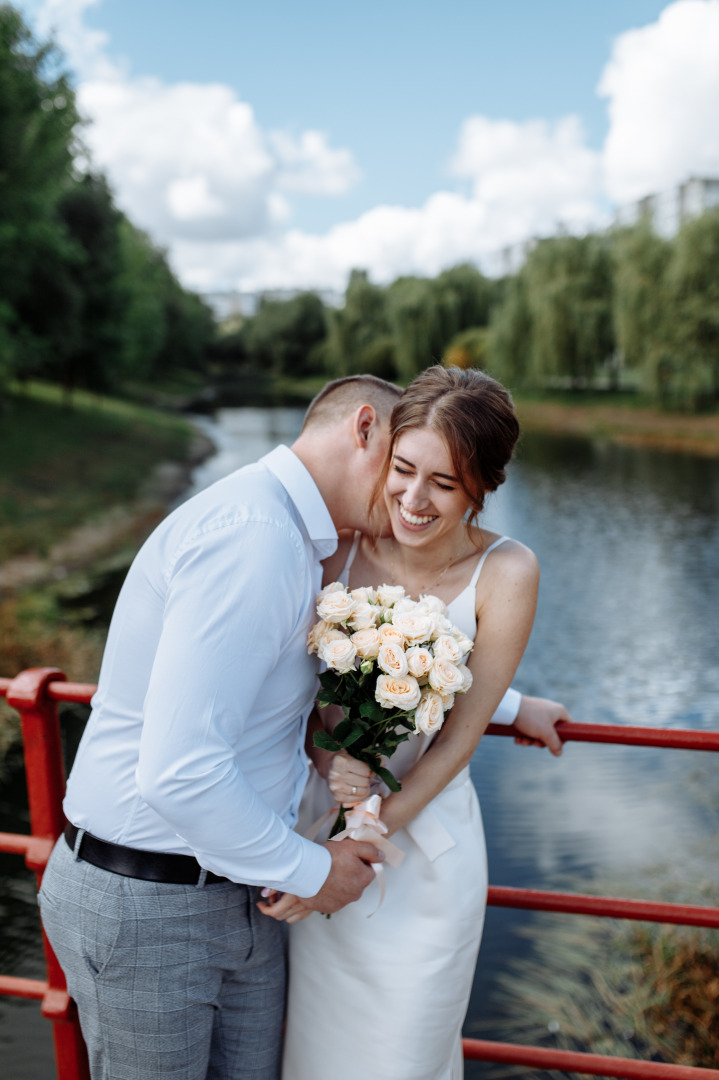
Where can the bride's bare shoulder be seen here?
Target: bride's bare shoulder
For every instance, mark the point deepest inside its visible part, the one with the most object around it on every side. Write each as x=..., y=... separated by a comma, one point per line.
x=514, y=559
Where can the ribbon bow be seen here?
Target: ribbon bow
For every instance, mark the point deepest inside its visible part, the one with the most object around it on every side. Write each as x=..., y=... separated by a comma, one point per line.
x=363, y=822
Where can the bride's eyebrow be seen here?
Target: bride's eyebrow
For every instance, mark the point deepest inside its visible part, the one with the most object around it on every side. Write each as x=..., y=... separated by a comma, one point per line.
x=443, y=476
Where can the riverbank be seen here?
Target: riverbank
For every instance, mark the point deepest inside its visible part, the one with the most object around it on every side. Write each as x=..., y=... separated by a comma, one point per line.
x=623, y=420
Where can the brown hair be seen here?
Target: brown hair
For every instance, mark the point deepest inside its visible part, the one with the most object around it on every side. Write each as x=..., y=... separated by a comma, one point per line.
x=474, y=415
x=341, y=397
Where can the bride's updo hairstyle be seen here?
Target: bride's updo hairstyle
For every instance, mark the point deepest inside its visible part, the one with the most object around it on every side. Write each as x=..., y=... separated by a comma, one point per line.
x=474, y=415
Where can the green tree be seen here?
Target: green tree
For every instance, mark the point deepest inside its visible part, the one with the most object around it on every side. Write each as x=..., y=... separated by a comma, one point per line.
x=569, y=294
x=359, y=340
x=38, y=120
x=641, y=316
x=509, y=339
x=689, y=377
x=283, y=335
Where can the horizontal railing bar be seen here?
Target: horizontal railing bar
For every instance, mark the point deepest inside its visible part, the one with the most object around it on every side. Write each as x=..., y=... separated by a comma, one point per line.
x=605, y=906
x=626, y=734
x=588, y=1064
x=569, y=730
x=12, y=986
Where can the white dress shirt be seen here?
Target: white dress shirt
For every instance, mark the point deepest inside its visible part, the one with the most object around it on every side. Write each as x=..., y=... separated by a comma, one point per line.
x=195, y=743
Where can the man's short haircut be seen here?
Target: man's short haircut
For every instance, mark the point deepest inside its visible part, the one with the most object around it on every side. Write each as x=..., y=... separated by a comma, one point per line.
x=341, y=397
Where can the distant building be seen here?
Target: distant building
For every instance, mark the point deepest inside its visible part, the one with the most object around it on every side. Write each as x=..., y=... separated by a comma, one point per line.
x=229, y=303
x=668, y=210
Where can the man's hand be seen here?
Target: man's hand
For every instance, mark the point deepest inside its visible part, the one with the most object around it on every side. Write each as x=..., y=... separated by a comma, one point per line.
x=349, y=875
x=536, y=719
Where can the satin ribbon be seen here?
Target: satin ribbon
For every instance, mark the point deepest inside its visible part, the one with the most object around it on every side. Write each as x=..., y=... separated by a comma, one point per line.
x=362, y=822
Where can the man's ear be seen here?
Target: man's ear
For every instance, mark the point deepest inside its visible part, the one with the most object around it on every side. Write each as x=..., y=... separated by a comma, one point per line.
x=362, y=422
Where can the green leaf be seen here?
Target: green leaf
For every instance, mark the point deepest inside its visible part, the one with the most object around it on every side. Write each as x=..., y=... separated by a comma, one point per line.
x=352, y=738
x=391, y=781
x=324, y=741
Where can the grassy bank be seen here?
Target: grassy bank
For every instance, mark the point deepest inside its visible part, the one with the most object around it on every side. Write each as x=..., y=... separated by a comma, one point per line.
x=81, y=486
x=624, y=419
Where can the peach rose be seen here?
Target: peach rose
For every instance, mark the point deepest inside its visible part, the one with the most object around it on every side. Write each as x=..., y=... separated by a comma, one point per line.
x=317, y=633
x=367, y=643
x=336, y=607
x=387, y=595
x=419, y=661
x=433, y=604
x=467, y=676
x=447, y=648
x=415, y=627
x=338, y=653
x=395, y=693
x=430, y=714
x=389, y=632
x=445, y=677
x=365, y=595
x=391, y=659
x=364, y=615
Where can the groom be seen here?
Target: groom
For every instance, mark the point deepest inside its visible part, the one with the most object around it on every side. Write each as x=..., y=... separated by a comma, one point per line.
x=186, y=785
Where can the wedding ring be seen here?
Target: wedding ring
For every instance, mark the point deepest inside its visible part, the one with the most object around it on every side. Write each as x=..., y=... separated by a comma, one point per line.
x=354, y=790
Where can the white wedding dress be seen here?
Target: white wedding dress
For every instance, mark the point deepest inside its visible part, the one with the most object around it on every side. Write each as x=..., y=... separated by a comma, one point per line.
x=384, y=997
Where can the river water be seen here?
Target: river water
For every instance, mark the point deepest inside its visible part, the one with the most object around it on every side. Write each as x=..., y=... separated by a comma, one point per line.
x=626, y=633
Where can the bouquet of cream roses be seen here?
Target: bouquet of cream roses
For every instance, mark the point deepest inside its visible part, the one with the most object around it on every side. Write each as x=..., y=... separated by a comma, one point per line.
x=392, y=663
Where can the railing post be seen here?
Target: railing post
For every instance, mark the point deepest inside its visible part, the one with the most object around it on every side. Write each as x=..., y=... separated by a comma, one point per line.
x=45, y=774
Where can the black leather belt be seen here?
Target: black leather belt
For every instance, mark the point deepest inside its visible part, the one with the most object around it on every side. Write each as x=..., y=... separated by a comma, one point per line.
x=168, y=868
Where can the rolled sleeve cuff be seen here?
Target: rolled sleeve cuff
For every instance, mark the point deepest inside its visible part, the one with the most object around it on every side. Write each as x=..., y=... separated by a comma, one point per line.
x=312, y=871
x=506, y=711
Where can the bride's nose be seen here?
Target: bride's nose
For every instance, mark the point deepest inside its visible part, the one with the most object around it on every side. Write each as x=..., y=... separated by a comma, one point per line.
x=415, y=494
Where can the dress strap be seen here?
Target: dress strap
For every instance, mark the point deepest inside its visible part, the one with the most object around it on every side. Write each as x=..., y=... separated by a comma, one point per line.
x=345, y=575
x=480, y=560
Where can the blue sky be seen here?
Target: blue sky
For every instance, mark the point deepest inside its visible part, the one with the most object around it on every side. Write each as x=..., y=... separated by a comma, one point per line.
x=279, y=144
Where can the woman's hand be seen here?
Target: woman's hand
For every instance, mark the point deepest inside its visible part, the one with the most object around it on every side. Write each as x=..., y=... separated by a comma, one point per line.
x=348, y=779
x=536, y=719
x=285, y=907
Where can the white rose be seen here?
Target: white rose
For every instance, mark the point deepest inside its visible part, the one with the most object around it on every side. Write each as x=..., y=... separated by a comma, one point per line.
x=406, y=604
x=415, y=628
x=467, y=676
x=466, y=644
x=316, y=634
x=391, y=659
x=336, y=606
x=338, y=653
x=388, y=632
x=395, y=693
x=433, y=604
x=442, y=625
x=419, y=661
x=388, y=595
x=447, y=701
x=445, y=677
x=429, y=716
x=367, y=643
x=446, y=648
x=364, y=615
x=334, y=586
x=365, y=595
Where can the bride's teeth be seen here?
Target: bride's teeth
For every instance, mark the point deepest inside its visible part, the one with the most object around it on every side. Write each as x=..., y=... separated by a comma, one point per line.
x=412, y=519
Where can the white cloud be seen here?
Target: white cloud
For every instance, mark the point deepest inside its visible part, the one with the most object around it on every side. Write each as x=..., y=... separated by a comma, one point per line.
x=662, y=83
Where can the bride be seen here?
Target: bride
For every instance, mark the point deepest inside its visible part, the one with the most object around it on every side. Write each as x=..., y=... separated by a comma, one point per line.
x=385, y=996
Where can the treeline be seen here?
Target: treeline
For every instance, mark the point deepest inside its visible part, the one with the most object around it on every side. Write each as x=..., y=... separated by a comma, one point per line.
x=86, y=299
x=625, y=309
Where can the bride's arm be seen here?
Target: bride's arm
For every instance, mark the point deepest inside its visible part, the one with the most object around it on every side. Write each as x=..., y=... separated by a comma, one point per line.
x=505, y=614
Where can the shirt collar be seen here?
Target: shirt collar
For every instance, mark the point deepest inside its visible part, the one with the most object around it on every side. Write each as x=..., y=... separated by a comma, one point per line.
x=297, y=481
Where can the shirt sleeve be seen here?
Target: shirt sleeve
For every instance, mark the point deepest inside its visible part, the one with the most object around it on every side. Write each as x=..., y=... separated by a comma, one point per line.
x=506, y=711
x=234, y=597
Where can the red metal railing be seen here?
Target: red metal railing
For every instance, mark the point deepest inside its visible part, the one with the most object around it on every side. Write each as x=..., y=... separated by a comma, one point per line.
x=35, y=694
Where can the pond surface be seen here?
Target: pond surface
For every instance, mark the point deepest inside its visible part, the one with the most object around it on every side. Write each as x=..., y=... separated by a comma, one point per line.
x=626, y=633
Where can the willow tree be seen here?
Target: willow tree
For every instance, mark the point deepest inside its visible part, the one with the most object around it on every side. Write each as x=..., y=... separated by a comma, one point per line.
x=642, y=318
x=568, y=282
x=690, y=378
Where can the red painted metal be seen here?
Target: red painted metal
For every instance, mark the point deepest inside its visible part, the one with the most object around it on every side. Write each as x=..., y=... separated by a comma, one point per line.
x=588, y=1064
x=606, y=906
x=626, y=735
x=35, y=694
x=45, y=787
